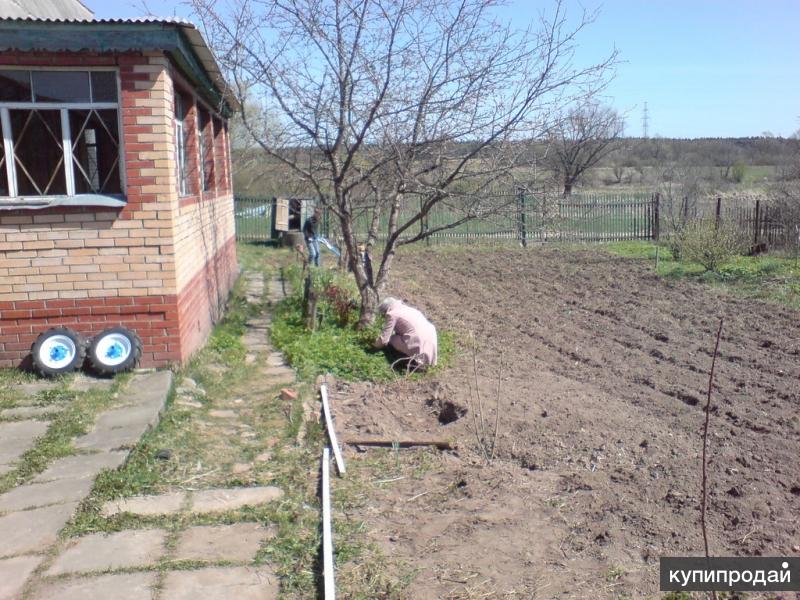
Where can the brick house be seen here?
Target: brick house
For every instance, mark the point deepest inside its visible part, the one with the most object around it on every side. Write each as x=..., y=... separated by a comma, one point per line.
x=116, y=203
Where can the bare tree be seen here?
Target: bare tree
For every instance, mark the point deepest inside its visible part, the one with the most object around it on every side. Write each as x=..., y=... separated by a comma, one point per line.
x=389, y=108
x=580, y=140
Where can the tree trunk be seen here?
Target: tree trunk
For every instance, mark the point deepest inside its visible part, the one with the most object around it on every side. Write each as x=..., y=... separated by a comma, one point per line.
x=369, y=307
x=367, y=291
x=567, y=189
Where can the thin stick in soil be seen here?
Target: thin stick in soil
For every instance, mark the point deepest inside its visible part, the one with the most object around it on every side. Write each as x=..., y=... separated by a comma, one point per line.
x=704, y=498
x=497, y=409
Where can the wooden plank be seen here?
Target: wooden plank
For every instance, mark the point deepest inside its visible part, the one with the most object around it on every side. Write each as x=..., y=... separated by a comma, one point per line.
x=401, y=443
x=327, y=530
x=326, y=409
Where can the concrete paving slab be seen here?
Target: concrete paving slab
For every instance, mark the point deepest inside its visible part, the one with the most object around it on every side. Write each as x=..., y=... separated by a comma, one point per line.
x=145, y=505
x=106, y=551
x=17, y=438
x=82, y=466
x=123, y=586
x=221, y=583
x=14, y=572
x=30, y=412
x=149, y=386
x=122, y=427
x=34, y=388
x=223, y=414
x=43, y=494
x=84, y=383
x=235, y=543
x=33, y=530
x=279, y=371
x=276, y=359
x=189, y=403
x=218, y=500
x=112, y=439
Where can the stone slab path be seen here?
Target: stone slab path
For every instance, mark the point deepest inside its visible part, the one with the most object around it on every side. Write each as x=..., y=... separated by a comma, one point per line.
x=32, y=514
x=16, y=438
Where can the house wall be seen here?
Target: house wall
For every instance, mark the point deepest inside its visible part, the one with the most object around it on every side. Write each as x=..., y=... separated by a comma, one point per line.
x=162, y=265
x=204, y=235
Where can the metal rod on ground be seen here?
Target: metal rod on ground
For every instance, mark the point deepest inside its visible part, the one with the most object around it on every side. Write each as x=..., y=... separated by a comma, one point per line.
x=326, y=409
x=440, y=444
x=327, y=533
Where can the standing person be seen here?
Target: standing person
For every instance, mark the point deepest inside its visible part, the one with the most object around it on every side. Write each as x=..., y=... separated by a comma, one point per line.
x=409, y=332
x=310, y=233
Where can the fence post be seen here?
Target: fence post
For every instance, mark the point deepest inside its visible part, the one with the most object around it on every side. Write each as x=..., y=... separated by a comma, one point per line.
x=326, y=218
x=757, y=223
x=719, y=212
x=656, y=225
x=523, y=231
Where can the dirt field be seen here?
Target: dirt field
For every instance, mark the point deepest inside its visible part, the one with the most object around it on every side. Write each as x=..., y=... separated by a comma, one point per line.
x=601, y=394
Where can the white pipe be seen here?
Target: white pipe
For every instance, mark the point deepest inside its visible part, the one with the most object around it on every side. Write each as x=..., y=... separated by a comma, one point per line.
x=337, y=453
x=327, y=534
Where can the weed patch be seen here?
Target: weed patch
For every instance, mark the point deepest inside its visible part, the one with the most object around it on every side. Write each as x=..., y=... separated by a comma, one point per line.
x=336, y=346
x=771, y=278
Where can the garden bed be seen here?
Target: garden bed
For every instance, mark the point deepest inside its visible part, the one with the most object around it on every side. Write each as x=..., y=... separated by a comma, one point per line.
x=602, y=369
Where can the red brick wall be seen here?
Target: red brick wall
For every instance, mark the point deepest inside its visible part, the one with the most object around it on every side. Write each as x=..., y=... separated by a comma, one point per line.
x=202, y=300
x=154, y=318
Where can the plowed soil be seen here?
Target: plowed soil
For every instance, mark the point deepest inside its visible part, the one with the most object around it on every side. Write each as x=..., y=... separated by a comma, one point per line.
x=599, y=369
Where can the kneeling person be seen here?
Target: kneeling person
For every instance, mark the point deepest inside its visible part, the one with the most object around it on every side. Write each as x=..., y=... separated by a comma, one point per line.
x=409, y=332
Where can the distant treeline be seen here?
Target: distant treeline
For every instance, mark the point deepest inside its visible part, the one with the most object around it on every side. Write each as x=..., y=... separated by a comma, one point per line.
x=716, y=152
x=634, y=161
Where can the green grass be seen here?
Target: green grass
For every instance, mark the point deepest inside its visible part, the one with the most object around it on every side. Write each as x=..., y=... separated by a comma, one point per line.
x=335, y=347
x=766, y=277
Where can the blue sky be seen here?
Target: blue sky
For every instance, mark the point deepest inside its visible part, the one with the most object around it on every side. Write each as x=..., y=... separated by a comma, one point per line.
x=706, y=68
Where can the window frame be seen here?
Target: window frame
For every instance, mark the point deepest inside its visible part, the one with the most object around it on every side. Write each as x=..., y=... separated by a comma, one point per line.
x=66, y=134
x=180, y=113
x=206, y=143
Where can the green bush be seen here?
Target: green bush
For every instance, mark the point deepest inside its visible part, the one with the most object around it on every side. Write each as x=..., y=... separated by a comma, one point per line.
x=708, y=244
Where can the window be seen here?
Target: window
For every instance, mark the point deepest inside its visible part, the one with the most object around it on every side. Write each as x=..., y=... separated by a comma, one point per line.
x=181, y=141
x=206, y=151
x=60, y=133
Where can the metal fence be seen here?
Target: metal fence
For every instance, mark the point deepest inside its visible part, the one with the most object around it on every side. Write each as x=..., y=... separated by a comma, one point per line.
x=253, y=218
x=523, y=218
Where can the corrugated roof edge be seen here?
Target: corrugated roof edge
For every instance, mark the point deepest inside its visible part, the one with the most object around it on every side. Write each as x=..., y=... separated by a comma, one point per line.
x=199, y=46
x=148, y=19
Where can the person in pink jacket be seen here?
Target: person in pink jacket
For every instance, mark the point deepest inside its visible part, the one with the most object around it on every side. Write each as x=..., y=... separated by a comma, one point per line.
x=408, y=331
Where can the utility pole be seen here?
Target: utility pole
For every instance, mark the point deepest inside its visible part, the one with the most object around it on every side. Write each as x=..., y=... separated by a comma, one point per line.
x=645, y=121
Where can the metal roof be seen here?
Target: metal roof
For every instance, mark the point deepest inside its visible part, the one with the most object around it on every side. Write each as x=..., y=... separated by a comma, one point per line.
x=44, y=9
x=194, y=38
